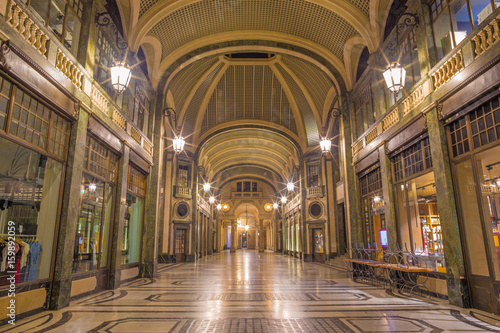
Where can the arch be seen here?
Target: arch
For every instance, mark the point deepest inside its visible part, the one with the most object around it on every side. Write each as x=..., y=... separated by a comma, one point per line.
x=239, y=48
x=352, y=51
x=333, y=60
x=152, y=49
x=163, y=9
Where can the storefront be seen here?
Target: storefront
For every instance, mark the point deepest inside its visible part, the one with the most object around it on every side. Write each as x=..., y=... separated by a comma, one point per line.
x=373, y=216
x=417, y=206
x=134, y=215
x=34, y=140
x=474, y=148
x=96, y=211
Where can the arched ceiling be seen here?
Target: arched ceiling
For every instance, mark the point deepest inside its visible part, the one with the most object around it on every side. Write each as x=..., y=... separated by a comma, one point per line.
x=252, y=117
x=170, y=29
x=248, y=150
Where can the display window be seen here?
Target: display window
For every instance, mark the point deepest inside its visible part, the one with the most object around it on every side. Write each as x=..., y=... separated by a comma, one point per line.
x=34, y=141
x=372, y=206
x=132, y=228
x=474, y=140
x=96, y=211
x=417, y=206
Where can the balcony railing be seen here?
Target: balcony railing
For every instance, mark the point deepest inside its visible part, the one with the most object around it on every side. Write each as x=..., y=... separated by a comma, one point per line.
x=482, y=39
x=315, y=191
x=28, y=25
x=182, y=192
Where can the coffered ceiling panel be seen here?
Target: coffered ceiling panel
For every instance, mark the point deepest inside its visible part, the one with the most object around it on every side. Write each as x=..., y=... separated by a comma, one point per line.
x=293, y=17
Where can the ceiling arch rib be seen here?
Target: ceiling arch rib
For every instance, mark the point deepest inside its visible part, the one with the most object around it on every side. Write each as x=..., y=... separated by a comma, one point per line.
x=256, y=36
x=309, y=63
x=353, y=12
x=317, y=82
x=248, y=147
x=305, y=107
x=186, y=78
x=248, y=92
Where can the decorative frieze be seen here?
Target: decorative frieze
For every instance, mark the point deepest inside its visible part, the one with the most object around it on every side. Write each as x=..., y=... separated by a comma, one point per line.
x=69, y=69
x=30, y=31
x=99, y=99
x=119, y=119
x=390, y=120
x=487, y=37
x=448, y=70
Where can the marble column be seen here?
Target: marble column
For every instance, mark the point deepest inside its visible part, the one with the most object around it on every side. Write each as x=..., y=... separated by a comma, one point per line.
x=70, y=211
x=389, y=198
x=261, y=236
x=234, y=238
x=119, y=218
x=149, y=252
x=455, y=269
x=276, y=233
x=351, y=186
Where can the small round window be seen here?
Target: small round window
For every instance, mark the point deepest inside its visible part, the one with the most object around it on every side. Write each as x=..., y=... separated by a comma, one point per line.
x=182, y=209
x=315, y=209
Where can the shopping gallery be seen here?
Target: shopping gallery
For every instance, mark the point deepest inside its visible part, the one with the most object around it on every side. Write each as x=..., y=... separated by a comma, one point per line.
x=249, y=165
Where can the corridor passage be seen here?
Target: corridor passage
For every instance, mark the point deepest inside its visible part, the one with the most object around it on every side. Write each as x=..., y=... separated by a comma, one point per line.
x=248, y=291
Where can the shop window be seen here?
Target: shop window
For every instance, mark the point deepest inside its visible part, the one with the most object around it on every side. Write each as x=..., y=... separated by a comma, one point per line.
x=372, y=205
x=5, y=88
x=63, y=18
x=97, y=198
x=452, y=21
x=412, y=160
x=30, y=186
x=183, y=175
x=131, y=249
x=418, y=211
x=475, y=129
x=313, y=175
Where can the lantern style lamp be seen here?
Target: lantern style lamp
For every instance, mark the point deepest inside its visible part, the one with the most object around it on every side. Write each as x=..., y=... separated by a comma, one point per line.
x=275, y=205
x=326, y=145
x=219, y=206
x=290, y=186
x=206, y=187
x=395, y=76
x=211, y=200
x=92, y=187
x=283, y=200
x=120, y=77
x=246, y=227
x=178, y=144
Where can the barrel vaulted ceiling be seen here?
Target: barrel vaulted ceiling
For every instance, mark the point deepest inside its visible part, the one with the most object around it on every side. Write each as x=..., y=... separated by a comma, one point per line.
x=253, y=114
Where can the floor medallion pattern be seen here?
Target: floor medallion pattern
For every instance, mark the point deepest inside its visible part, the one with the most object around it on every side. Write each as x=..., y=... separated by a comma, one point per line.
x=248, y=291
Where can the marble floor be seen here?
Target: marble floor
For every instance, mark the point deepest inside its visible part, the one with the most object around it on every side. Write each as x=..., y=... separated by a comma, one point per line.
x=255, y=292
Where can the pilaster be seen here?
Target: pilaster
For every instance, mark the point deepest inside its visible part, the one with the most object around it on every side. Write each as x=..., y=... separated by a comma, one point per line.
x=119, y=218
x=234, y=238
x=389, y=198
x=70, y=212
x=458, y=293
